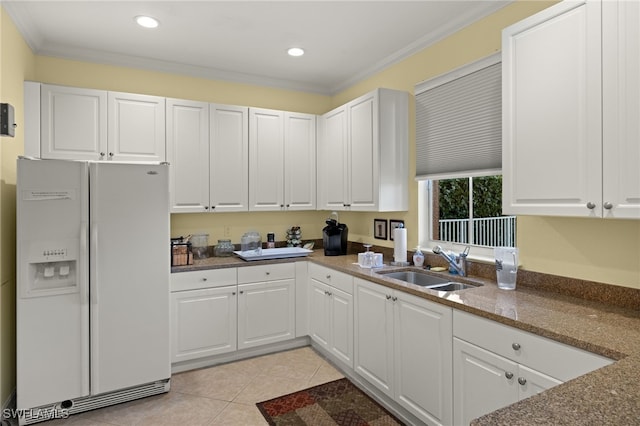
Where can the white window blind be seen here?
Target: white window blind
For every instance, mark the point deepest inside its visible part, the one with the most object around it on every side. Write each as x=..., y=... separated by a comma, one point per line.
x=459, y=122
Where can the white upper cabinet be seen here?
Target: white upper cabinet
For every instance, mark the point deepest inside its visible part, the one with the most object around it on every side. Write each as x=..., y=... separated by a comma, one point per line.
x=281, y=160
x=207, y=148
x=136, y=127
x=188, y=155
x=299, y=161
x=266, y=159
x=363, y=153
x=333, y=165
x=89, y=124
x=570, y=111
x=229, y=158
x=621, y=109
x=73, y=122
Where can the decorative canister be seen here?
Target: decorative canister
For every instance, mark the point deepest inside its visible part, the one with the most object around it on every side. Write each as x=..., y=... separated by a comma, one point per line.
x=223, y=248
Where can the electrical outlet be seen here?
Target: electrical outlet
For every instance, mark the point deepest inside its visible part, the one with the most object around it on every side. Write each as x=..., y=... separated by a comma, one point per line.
x=227, y=231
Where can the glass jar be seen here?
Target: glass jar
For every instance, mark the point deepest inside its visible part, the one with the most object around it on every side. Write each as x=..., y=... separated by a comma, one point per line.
x=223, y=248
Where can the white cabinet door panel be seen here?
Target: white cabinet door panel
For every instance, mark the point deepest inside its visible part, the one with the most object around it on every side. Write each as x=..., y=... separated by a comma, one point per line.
x=188, y=155
x=73, y=123
x=136, y=127
x=423, y=358
x=552, y=107
x=266, y=157
x=203, y=323
x=621, y=108
x=333, y=160
x=373, y=333
x=481, y=382
x=266, y=313
x=299, y=161
x=229, y=161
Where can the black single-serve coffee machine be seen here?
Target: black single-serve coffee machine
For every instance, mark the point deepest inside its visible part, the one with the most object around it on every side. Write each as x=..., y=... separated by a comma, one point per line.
x=334, y=237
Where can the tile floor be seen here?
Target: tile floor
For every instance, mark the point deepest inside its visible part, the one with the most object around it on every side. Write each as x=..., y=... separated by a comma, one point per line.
x=220, y=395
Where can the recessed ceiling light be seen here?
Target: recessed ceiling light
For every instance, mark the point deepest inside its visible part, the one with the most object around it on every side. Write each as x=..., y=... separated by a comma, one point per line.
x=147, y=21
x=295, y=51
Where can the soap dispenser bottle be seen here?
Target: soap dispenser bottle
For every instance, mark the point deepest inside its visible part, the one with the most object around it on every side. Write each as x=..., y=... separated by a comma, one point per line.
x=418, y=258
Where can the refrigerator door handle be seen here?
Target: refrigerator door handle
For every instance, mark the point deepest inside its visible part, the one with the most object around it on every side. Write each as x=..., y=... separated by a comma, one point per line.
x=83, y=281
x=93, y=281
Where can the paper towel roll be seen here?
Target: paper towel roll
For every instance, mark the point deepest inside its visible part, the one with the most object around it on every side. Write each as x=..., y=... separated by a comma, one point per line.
x=400, y=244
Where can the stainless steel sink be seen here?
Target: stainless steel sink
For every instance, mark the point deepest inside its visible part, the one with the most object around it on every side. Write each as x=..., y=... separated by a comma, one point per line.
x=416, y=278
x=426, y=280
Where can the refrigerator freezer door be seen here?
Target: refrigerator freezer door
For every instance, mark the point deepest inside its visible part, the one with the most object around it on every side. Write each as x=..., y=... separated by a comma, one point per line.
x=52, y=303
x=130, y=269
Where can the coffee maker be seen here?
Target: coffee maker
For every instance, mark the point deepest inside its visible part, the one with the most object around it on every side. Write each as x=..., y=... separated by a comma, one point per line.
x=334, y=237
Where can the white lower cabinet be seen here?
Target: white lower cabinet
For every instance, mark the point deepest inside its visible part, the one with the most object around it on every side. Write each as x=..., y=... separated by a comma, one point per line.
x=266, y=304
x=403, y=348
x=204, y=322
x=331, y=311
x=484, y=382
x=495, y=365
x=203, y=314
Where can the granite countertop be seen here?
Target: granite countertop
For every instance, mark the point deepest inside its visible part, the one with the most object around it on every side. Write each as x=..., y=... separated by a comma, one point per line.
x=610, y=395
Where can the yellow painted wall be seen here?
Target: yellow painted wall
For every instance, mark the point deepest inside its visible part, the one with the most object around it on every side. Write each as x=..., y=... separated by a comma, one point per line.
x=16, y=64
x=599, y=250
x=106, y=77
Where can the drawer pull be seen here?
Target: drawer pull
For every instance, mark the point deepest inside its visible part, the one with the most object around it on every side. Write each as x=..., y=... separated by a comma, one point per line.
x=508, y=375
x=515, y=346
x=522, y=381
x=328, y=277
x=204, y=279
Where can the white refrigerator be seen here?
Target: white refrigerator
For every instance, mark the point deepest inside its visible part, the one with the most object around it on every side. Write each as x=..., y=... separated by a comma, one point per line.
x=92, y=300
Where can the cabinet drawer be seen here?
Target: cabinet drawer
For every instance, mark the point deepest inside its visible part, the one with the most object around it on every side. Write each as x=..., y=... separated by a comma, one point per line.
x=553, y=358
x=194, y=280
x=329, y=276
x=261, y=273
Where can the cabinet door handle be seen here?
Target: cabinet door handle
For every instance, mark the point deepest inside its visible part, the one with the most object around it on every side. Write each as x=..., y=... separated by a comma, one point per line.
x=591, y=205
x=328, y=277
x=233, y=293
x=241, y=291
x=388, y=297
x=607, y=205
x=394, y=298
x=111, y=155
x=268, y=273
x=508, y=375
x=515, y=346
x=522, y=381
x=102, y=154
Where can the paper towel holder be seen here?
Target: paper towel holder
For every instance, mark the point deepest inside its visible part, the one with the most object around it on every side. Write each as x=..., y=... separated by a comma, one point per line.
x=402, y=245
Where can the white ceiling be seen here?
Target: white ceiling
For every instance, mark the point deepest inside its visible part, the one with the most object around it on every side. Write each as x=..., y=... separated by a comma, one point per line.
x=246, y=41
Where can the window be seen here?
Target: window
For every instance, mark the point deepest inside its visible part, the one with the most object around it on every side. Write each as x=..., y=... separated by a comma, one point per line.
x=459, y=158
x=469, y=211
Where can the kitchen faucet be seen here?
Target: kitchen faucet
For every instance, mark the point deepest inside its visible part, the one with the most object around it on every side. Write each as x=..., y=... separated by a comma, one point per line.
x=458, y=262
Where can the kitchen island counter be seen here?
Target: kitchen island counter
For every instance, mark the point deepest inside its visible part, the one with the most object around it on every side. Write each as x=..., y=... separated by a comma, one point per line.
x=610, y=395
